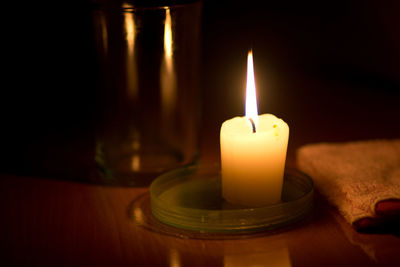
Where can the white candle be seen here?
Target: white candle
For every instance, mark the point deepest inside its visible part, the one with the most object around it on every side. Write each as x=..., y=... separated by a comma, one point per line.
x=253, y=153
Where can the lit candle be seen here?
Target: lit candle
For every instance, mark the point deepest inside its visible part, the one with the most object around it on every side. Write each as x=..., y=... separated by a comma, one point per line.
x=253, y=153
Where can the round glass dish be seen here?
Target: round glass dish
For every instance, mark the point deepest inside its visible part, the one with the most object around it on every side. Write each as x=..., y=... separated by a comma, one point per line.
x=190, y=198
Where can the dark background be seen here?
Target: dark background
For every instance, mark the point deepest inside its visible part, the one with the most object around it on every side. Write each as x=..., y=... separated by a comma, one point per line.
x=330, y=69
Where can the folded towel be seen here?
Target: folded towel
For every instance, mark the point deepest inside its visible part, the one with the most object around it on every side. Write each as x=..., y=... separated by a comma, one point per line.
x=361, y=178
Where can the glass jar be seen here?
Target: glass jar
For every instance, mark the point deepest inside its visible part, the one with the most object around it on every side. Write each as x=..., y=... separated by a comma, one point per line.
x=150, y=106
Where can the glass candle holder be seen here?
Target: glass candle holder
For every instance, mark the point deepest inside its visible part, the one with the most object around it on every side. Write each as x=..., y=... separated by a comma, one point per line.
x=191, y=198
x=149, y=58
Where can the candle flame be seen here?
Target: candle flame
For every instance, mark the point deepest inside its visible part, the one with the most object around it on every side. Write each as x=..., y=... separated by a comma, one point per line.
x=251, y=99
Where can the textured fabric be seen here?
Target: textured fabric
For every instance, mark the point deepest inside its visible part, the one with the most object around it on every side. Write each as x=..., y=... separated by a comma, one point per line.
x=361, y=178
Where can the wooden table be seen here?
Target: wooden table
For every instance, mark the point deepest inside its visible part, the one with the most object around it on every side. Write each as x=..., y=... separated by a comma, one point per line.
x=55, y=222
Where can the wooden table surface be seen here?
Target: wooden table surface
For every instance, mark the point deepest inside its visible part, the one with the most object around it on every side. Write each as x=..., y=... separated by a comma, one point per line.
x=54, y=222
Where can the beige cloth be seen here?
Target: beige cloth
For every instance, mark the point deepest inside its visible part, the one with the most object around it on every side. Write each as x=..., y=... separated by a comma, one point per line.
x=357, y=177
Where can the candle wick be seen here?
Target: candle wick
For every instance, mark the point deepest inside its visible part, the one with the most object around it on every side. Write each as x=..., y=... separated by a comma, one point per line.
x=253, y=125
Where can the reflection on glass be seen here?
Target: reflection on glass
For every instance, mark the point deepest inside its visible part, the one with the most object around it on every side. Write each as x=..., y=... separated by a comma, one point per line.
x=167, y=74
x=168, y=34
x=104, y=33
x=168, y=83
x=127, y=5
x=131, y=72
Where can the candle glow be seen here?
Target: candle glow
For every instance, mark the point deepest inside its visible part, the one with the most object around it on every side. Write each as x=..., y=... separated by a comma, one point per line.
x=253, y=162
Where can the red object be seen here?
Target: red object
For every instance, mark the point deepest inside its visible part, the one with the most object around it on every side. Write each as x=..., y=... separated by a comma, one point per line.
x=387, y=216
